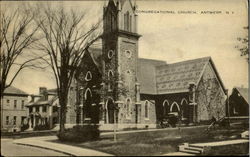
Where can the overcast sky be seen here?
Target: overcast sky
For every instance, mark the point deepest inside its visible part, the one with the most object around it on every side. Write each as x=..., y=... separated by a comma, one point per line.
x=175, y=37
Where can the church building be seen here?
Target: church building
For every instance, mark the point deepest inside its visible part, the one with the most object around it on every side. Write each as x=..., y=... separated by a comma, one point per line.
x=114, y=85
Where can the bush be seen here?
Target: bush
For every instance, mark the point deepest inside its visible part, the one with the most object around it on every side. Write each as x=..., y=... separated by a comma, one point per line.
x=80, y=133
x=24, y=127
x=41, y=127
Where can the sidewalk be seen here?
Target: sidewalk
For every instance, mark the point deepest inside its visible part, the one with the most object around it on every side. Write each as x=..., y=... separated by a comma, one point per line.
x=208, y=144
x=41, y=142
x=221, y=143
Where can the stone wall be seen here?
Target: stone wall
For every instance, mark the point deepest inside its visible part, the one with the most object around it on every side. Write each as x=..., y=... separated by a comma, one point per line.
x=210, y=97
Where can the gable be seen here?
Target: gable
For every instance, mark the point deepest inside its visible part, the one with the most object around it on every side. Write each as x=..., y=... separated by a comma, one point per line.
x=14, y=91
x=126, y=5
x=90, y=62
x=210, y=72
x=244, y=93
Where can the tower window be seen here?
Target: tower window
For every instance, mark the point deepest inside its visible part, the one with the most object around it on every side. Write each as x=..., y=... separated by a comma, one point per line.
x=110, y=54
x=110, y=83
x=128, y=108
x=88, y=76
x=127, y=21
x=128, y=53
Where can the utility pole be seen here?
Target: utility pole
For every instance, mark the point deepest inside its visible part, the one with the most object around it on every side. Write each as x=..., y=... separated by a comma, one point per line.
x=228, y=110
x=115, y=139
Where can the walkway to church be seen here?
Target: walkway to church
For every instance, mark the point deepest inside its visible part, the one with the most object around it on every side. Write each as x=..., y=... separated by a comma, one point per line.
x=41, y=142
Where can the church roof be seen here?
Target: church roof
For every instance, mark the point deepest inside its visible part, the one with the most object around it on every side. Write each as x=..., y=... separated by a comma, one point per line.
x=146, y=75
x=14, y=91
x=96, y=54
x=244, y=93
x=175, y=78
x=158, y=77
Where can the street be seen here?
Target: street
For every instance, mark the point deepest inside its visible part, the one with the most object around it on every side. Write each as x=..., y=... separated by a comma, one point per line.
x=8, y=148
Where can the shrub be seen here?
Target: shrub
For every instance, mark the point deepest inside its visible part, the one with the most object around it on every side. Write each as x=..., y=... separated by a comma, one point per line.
x=24, y=127
x=41, y=127
x=80, y=133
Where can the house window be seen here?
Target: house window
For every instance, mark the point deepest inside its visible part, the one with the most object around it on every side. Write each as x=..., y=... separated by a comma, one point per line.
x=22, y=104
x=23, y=119
x=44, y=109
x=128, y=107
x=14, y=120
x=54, y=109
x=30, y=109
x=7, y=120
x=88, y=76
x=37, y=108
x=146, y=109
x=15, y=104
x=8, y=101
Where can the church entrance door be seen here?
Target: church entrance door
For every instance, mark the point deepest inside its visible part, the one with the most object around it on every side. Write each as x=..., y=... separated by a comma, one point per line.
x=110, y=106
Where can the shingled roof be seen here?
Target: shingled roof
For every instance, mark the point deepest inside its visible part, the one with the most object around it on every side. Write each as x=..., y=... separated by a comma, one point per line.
x=96, y=54
x=146, y=74
x=158, y=77
x=175, y=78
x=14, y=91
x=244, y=93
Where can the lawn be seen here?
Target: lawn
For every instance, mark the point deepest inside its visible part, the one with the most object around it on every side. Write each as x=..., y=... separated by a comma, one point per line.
x=156, y=142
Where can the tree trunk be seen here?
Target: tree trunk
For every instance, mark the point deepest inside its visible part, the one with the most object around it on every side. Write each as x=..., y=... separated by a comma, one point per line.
x=63, y=104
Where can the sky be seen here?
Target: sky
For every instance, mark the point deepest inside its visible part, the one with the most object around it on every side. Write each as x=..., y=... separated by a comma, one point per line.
x=173, y=37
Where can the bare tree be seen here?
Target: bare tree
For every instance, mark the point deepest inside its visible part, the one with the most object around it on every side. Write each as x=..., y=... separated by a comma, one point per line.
x=17, y=34
x=243, y=45
x=67, y=37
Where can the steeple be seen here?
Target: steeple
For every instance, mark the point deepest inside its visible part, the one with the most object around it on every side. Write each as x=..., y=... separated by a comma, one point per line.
x=120, y=15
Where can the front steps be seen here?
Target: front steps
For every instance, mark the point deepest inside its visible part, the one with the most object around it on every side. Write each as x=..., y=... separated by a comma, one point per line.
x=192, y=149
x=245, y=135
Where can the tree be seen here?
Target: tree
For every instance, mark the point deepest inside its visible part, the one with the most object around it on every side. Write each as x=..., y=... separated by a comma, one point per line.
x=66, y=38
x=17, y=34
x=243, y=46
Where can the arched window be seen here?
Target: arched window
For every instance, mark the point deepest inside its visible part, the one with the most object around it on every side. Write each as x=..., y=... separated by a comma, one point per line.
x=184, y=108
x=146, y=109
x=128, y=108
x=88, y=76
x=110, y=83
x=165, y=107
x=174, y=107
x=87, y=94
x=127, y=21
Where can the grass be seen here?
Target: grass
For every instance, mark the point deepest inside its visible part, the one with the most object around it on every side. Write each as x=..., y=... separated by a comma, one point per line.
x=156, y=142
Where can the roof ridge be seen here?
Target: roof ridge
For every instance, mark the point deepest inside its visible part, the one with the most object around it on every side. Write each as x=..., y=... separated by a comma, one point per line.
x=190, y=60
x=152, y=59
x=14, y=90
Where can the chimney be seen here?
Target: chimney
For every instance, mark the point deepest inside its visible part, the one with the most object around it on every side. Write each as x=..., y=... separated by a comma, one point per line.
x=42, y=90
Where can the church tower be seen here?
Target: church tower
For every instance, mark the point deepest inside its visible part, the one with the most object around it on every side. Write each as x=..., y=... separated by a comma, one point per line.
x=120, y=55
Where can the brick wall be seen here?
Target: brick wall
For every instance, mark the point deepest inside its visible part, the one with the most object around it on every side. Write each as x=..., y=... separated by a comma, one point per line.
x=10, y=111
